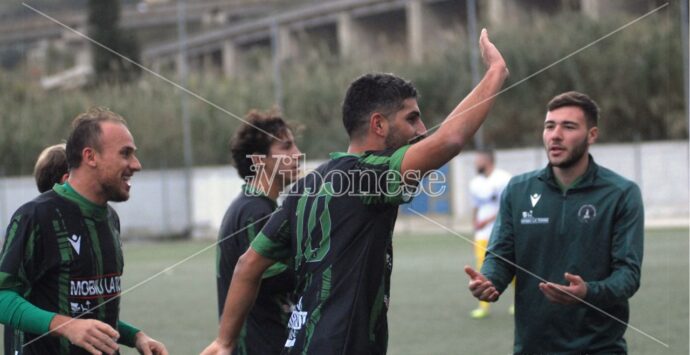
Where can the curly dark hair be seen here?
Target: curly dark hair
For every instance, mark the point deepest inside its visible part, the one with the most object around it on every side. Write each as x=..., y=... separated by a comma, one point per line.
x=251, y=138
x=375, y=92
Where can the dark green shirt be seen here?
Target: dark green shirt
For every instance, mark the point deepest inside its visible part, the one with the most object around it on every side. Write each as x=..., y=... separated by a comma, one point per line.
x=594, y=229
x=264, y=331
x=337, y=225
x=62, y=254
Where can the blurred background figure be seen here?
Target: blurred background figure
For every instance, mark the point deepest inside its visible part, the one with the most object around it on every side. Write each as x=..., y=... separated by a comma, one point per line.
x=485, y=192
x=51, y=167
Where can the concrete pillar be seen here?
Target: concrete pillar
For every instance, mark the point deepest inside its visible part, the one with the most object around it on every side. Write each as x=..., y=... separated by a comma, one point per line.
x=597, y=9
x=415, y=30
x=286, y=43
x=500, y=11
x=229, y=58
x=84, y=55
x=346, y=35
x=591, y=8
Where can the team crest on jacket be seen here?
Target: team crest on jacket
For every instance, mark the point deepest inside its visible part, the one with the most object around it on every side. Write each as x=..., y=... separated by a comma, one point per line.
x=586, y=213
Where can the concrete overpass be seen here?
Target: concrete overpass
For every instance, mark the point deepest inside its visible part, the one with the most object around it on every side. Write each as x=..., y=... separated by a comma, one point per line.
x=25, y=30
x=360, y=29
x=345, y=27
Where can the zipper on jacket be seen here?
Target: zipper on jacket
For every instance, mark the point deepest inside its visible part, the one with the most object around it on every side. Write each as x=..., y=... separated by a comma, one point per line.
x=563, y=204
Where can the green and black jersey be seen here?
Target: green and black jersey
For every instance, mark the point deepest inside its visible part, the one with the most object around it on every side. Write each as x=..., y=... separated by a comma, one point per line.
x=264, y=332
x=62, y=254
x=337, y=224
x=594, y=229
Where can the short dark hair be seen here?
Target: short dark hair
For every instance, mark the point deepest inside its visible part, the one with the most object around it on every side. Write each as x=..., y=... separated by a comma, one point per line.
x=86, y=132
x=574, y=98
x=251, y=138
x=375, y=92
x=50, y=167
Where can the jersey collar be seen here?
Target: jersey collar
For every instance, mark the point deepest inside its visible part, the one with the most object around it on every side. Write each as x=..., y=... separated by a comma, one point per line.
x=338, y=155
x=249, y=190
x=88, y=208
x=587, y=179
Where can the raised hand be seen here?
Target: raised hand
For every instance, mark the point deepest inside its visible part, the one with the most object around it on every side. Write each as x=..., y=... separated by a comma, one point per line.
x=490, y=54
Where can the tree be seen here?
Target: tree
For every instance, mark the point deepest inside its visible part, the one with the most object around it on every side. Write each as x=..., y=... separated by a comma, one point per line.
x=103, y=22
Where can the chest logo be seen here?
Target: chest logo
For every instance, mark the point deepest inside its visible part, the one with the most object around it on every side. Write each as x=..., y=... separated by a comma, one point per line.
x=586, y=213
x=75, y=240
x=535, y=199
x=528, y=218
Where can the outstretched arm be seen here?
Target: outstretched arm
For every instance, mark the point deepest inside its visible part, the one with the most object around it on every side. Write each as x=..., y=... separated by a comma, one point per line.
x=92, y=335
x=480, y=286
x=244, y=287
x=459, y=127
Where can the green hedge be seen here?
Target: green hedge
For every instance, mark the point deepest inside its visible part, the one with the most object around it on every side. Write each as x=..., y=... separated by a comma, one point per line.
x=635, y=75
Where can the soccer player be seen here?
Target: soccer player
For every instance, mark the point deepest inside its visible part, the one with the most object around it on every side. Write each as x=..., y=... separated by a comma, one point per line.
x=572, y=234
x=51, y=167
x=61, y=263
x=485, y=191
x=337, y=222
x=268, y=166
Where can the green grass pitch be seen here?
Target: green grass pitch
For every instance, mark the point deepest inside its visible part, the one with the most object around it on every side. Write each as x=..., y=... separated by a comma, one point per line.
x=429, y=302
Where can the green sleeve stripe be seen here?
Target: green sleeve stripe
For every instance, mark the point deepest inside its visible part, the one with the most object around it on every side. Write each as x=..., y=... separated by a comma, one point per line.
x=128, y=333
x=98, y=252
x=268, y=248
x=10, y=237
x=397, y=158
x=376, y=159
x=393, y=162
x=397, y=184
x=9, y=281
x=21, y=314
x=274, y=270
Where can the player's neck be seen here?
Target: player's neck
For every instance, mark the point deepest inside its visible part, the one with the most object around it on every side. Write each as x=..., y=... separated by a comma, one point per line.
x=271, y=188
x=566, y=176
x=86, y=188
x=364, y=145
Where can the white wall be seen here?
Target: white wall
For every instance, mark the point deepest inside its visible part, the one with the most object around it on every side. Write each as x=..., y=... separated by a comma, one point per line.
x=659, y=168
x=157, y=206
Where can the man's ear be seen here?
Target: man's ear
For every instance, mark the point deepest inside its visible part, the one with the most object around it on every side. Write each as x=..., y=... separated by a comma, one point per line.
x=592, y=135
x=378, y=124
x=88, y=157
x=258, y=160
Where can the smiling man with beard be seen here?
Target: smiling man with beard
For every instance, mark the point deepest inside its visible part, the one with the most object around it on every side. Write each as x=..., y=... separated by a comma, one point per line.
x=61, y=263
x=580, y=228
x=341, y=243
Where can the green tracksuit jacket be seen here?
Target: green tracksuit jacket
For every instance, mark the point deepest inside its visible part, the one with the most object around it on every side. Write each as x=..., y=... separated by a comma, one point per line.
x=595, y=229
